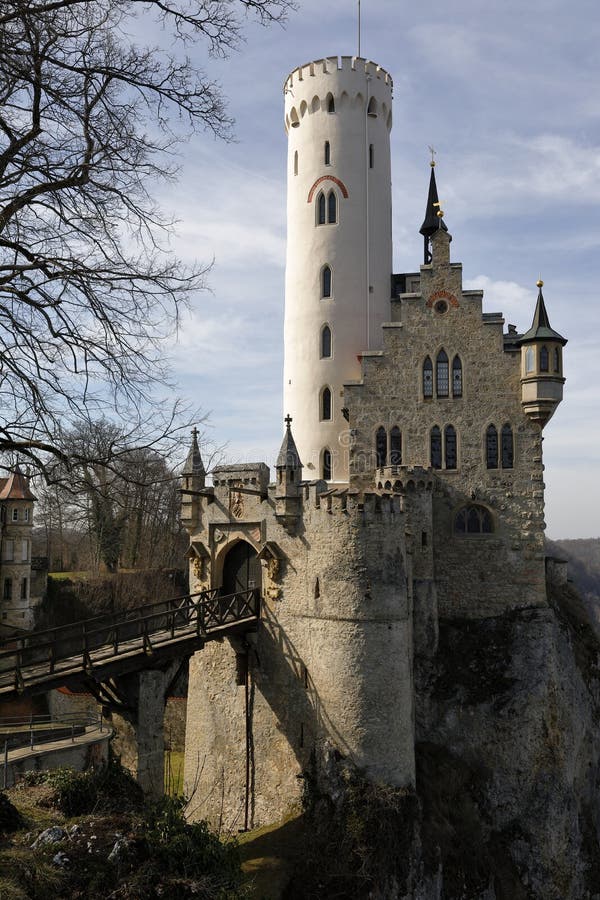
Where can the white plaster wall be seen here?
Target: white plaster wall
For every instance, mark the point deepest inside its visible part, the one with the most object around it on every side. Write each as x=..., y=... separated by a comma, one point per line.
x=361, y=279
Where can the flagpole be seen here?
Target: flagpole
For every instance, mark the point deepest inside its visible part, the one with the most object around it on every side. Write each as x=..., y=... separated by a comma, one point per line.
x=359, y=27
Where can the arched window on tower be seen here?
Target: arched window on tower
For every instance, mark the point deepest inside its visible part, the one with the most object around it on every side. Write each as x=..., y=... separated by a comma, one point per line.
x=436, y=447
x=450, y=448
x=427, y=378
x=326, y=282
x=325, y=342
x=371, y=156
x=491, y=447
x=557, y=360
x=330, y=103
x=508, y=451
x=326, y=465
x=544, y=361
x=529, y=360
x=457, y=378
x=381, y=446
x=295, y=162
x=327, y=153
x=441, y=374
x=372, y=108
x=395, y=446
x=321, y=206
x=326, y=404
x=332, y=208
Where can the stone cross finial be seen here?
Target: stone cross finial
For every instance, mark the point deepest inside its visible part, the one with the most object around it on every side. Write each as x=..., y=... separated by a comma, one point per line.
x=288, y=420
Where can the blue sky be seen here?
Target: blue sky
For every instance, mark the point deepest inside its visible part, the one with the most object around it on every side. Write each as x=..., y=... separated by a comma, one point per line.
x=508, y=94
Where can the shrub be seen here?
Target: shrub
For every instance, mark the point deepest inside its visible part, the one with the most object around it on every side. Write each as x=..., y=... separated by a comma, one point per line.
x=110, y=788
x=10, y=818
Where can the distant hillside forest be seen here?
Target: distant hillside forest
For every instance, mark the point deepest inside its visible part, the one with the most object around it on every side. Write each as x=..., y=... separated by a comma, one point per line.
x=583, y=557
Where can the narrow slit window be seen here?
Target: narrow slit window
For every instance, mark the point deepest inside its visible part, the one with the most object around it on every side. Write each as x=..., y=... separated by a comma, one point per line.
x=326, y=342
x=330, y=104
x=457, y=378
x=296, y=162
x=371, y=156
x=395, y=446
x=544, y=360
x=326, y=404
x=326, y=469
x=441, y=374
x=508, y=452
x=321, y=209
x=436, y=447
x=327, y=153
x=23, y=589
x=381, y=447
x=557, y=360
x=450, y=447
x=332, y=208
x=7, y=595
x=491, y=447
x=326, y=282
x=427, y=378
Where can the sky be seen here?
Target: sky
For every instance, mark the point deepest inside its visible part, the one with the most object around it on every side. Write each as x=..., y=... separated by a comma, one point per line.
x=508, y=94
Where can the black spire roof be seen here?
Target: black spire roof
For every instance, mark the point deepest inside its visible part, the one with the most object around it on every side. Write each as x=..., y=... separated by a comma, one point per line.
x=540, y=327
x=193, y=464
x=288, y=455
x=432, y=221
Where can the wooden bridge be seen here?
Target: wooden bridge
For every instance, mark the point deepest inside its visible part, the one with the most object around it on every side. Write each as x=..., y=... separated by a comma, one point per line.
x=110, y=645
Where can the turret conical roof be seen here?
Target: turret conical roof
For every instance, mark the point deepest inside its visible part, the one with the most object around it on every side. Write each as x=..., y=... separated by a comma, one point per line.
x=193, y=464
x=16, y=487
x=540, y=328
x=432, y=222
x=288, y=455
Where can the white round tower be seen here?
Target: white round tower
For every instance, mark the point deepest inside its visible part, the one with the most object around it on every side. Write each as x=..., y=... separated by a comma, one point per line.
x=338, y=116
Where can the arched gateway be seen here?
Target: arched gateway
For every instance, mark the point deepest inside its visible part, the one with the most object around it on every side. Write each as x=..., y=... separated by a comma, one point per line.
x=241, y=569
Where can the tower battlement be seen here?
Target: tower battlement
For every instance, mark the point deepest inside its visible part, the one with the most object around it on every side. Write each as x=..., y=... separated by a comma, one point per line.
x=331, y=64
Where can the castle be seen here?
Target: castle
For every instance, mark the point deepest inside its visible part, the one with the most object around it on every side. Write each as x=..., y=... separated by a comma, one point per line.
x=409, y=485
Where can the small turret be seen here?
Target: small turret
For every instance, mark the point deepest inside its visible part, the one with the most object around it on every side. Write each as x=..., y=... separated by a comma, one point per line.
x=193, y=479
x=289, y=475
x=541, y=365
x=433, y=221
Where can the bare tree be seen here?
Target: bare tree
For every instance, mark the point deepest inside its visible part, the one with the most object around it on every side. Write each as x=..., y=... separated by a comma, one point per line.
x=88, y=122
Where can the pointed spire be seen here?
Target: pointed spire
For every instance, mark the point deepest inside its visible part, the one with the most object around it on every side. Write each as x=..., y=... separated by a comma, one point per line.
x=288, y=457
x=432, y=220
x=540, y=327
x=193, y=464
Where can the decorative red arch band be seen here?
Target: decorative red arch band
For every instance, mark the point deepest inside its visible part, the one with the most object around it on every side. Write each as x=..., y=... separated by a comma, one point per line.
x=443, y=295
x=337, y=181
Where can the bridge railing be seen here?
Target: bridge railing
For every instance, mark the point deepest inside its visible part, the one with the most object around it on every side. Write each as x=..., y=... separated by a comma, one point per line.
x=54, y=650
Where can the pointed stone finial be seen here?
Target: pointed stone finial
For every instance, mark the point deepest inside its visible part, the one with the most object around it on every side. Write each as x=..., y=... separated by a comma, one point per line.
x=288, y=455
x=433, y=220
x=540, y=327
x=193, y=464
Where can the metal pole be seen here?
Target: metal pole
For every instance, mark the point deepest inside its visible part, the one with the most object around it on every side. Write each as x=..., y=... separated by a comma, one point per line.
x=5, y=780
x=359, y=27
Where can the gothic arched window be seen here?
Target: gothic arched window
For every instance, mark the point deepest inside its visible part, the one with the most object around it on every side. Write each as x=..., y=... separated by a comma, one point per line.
x=327, y=153
x=529, y=360
x=330, y=103
x=441, y=374
x=326, y=342
x=326, y=403
x=557, y=360
x=381, y=447
x=507, y=447
x=326, y=465
x=491, y=447
x=326, y=282
x=332, y=208
x=450, y=448
x=395, y=446
x=427, y=378
x=321, y=219
x=473, y=519
x=436, y=447
x=457, y=379
x=544, y=361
